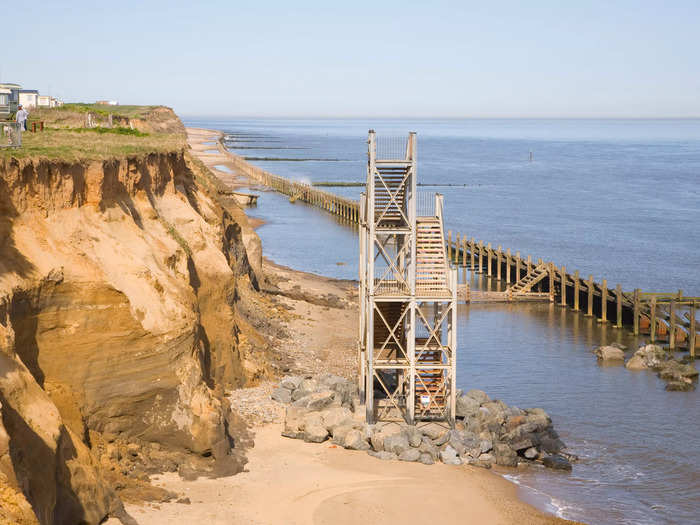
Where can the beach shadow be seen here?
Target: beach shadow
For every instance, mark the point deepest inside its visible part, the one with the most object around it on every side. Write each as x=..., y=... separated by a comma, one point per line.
x=11, y=259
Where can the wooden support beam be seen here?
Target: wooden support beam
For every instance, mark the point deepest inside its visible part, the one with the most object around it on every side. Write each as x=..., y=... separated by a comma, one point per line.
x=672, y=325
x=449, y=245
x=499, y=263
x=518, y=263
x=464, y=252
x=490, y=259
x=458, y=243
x=589, y=285
x=618, y=312
x=481, y=256
x=551, y=281
x=563, y=286
x=471, y=253
x=652, y=320
x=692, y=331
x=604, y=302
x=577, y=291
x=508, y=266
x=636, y=307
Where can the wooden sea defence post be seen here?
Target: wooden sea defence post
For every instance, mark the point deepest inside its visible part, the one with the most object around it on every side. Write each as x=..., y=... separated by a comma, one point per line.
x=508, y=266
x=636, y=306
x=551, y=282
x=604, y=302
x=577, y=291
x=471, y=253
x=691, y=330
x=652, y=320
x=589, y=286
x=490, y=257
x=563, y=286
x=618, y=312
x=518, y=263
x=481, y=256
x=672, y=325
x=499, y=257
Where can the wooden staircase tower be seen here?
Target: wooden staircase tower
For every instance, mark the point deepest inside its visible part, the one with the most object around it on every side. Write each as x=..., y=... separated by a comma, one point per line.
x=408, y=293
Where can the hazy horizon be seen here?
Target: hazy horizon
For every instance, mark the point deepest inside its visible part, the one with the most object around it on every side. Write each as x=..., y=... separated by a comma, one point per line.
x=446, y=60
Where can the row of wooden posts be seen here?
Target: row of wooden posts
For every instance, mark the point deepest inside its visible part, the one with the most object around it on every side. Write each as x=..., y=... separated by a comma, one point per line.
x=346, y=209
x=656, y=314
x=663, y=316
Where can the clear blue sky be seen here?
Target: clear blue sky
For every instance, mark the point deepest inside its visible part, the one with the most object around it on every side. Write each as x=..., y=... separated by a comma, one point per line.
x=357, y=58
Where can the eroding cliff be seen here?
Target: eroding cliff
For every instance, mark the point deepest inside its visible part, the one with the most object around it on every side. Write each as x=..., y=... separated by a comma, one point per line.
x=120, y=326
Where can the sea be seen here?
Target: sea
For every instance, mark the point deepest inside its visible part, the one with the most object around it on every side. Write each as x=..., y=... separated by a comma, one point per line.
x=616, y=199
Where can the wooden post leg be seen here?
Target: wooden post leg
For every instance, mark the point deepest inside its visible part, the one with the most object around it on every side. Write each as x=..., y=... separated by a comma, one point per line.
x=449, y=245
x=691, y=331
x=652, y=327
x=464, y=252
x=471, y=254
x=551, y=282
x=577, y=291
x=618, y=312
x=589, y=285
x=508, y=266
x=518, y=264
x=490, y=256
x=499, y=263
x=636, y=307
x=481, y=256
x=604, y=302
x=563, y=286
x=672, y=325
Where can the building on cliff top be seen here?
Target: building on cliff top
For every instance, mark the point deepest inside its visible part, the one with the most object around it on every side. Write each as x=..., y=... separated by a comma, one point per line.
x=29, y=98
x=9, y=99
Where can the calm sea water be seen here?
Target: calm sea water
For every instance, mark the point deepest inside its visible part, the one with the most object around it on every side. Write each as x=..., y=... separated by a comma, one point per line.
x=616, y=199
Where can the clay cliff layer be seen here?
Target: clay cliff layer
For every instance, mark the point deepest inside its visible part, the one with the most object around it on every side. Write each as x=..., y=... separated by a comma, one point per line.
x=122, y=284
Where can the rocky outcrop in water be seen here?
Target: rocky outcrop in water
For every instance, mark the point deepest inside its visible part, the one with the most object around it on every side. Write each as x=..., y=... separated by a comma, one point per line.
x=488, y=431
x=679, y=375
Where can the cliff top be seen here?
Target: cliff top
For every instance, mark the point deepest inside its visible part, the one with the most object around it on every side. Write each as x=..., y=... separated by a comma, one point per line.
x=82, y=132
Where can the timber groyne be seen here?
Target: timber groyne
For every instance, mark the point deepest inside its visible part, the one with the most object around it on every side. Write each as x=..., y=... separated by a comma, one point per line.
x=669, y=317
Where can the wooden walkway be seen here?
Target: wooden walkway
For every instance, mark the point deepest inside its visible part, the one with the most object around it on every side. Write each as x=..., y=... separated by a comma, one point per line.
x=665, y=317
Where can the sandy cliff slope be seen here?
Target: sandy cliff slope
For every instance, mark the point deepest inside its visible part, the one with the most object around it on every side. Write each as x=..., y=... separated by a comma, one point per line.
x=122, y=283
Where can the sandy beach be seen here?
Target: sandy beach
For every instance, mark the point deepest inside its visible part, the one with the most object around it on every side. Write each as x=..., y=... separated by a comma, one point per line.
x=289, y=481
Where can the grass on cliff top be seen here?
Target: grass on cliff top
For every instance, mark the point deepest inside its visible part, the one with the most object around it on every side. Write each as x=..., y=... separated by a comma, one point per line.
x=83, y=144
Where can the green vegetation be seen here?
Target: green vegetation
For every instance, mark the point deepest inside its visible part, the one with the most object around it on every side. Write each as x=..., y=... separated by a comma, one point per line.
x=101, y=109
x=118, y=131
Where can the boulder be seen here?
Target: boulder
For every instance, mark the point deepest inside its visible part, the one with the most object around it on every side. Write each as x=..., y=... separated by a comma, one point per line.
x=636, y=362
x=340, y=432
x=442, y=439
x=479, y=396
x=653, y=356
x=282, y=395
x=315, y=434
x=414, y=435
x=354, y=440
x=309, y=385
x=504, y=455
x=290, y=382
x=680, y=386
x=557, y=462
x=531, y=453
x=427, y=447
x=396, y=443
x=426, y=458
x=382, y=454
x=315, y=400
x=433, y=430
x=551, y=445
x=412, y=454
x=335, y=416
x=466, y=406
x=485, y=445
x=294, y=422
x=673, y=370
x=449, y=456
x=609, y=354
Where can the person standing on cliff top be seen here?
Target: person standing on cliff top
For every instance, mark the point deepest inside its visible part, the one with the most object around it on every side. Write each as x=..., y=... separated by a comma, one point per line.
x=21, y=118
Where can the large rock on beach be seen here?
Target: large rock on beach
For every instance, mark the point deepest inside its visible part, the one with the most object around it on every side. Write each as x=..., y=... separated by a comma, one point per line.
x=412, y=454
x=504, y=455
x=396, y=443
x=648, y=356
x=479, y=396
x=466, y=406
x=557, y=462
x=282, y=395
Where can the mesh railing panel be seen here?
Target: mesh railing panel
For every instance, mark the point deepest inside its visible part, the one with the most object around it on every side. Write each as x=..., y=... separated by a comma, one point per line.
x=391, y=148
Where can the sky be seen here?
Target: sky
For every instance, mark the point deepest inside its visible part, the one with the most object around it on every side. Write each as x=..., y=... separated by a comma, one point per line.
x=491, y=59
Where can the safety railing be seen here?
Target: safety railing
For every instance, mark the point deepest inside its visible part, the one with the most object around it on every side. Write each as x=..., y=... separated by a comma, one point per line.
x=10, y=135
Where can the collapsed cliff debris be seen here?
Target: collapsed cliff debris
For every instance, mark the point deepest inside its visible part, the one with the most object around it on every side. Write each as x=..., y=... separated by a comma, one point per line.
x=488, y=432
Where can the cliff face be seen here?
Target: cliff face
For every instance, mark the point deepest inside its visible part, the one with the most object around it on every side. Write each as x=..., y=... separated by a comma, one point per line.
x=119, y=323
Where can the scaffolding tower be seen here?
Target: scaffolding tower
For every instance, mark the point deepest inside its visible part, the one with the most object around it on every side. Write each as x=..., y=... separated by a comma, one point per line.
x=408, y=292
